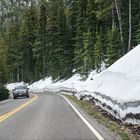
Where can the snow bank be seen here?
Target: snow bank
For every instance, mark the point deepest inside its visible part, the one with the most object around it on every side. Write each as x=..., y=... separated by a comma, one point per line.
x=40, y=85
x=129, y=65
x=116, y=89
x=119, y=87
x=116, y=85
x=11, y=86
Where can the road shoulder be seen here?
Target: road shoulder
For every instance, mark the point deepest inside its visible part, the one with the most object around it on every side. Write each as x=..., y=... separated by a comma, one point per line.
x=104, y=131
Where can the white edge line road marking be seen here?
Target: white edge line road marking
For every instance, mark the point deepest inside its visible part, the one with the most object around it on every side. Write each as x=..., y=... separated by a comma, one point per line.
x=94, y=131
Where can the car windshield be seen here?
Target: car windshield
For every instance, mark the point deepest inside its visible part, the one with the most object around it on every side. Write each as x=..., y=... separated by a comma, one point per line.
x=21, y=87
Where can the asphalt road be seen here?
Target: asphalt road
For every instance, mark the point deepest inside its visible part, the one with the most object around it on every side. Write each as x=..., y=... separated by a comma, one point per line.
x=48, y=117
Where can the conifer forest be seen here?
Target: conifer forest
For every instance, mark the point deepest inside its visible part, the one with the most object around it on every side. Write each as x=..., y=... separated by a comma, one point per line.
x=40, y=38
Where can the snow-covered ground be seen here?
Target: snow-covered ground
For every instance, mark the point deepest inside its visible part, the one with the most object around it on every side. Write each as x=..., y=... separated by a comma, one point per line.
x=116, y=89
x=40, y=85
x=11, y=86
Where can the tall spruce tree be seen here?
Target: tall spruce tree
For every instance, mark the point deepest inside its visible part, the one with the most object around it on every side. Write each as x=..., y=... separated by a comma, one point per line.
x=40, y=46
x=28, y=37
x=80, y=36
x=98, y=53
x=55, y=37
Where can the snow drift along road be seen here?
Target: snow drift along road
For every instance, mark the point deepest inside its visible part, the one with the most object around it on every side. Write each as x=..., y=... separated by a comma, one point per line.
x=116, y=89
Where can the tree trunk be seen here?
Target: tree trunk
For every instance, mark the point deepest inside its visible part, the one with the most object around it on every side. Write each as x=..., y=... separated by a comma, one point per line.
x=22, y=74
x=120, y=22
x=130, y=26
x=12, y=78
x=113, y=19
x=18, y=73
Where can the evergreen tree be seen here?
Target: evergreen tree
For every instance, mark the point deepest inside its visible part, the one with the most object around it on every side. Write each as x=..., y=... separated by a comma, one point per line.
x=98, y=53
x=80, y=37
x=28, y=38
x=114, y=46
x=91, y=32
x=3, y=71
x=54, y=37
x=13, y=51
x=39, y=50
x=3, y=66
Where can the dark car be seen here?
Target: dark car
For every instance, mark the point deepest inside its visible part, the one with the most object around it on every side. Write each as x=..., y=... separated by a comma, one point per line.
x=20, y=91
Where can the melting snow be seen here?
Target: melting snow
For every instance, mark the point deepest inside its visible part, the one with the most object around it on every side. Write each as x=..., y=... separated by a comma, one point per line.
x=117, y=87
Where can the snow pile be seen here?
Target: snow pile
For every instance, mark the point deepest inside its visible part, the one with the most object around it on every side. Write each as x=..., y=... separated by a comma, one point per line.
x=11, y=86
x=116, y=85
x=70, y=84
x=73, y=84
x=40, y=85
x=116, y=89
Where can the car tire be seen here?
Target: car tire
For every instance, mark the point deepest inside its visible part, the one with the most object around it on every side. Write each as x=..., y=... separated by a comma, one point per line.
x=27, y=96
x=15, y=97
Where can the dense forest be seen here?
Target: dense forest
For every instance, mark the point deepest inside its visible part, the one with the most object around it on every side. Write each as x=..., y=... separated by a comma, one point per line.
x=57, y=38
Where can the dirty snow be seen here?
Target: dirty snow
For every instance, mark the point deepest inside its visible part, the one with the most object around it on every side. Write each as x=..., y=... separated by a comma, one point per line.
x=117, y=87
x=11, y=86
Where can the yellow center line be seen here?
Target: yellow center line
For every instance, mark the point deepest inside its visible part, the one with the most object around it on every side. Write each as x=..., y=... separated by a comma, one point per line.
x=7, y=115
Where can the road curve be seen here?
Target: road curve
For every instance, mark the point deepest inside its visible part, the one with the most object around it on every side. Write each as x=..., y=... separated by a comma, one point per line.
x=49, y=117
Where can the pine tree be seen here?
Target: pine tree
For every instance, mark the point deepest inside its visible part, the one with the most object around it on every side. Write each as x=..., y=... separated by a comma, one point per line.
x=91, y=33
x=114, y=46
x=98, y=53
x=81, y=30
x=54, y=37
x=71, y=13
x=3, y=67
x=13, y=49
x=138, y=35
x=39, y=50
x=28, y=37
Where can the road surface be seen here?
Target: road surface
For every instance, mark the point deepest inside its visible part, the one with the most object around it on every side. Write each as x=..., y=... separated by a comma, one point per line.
x=41, y=117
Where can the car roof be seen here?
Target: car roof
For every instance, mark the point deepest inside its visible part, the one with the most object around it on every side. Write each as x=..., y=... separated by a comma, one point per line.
x=21, y=86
